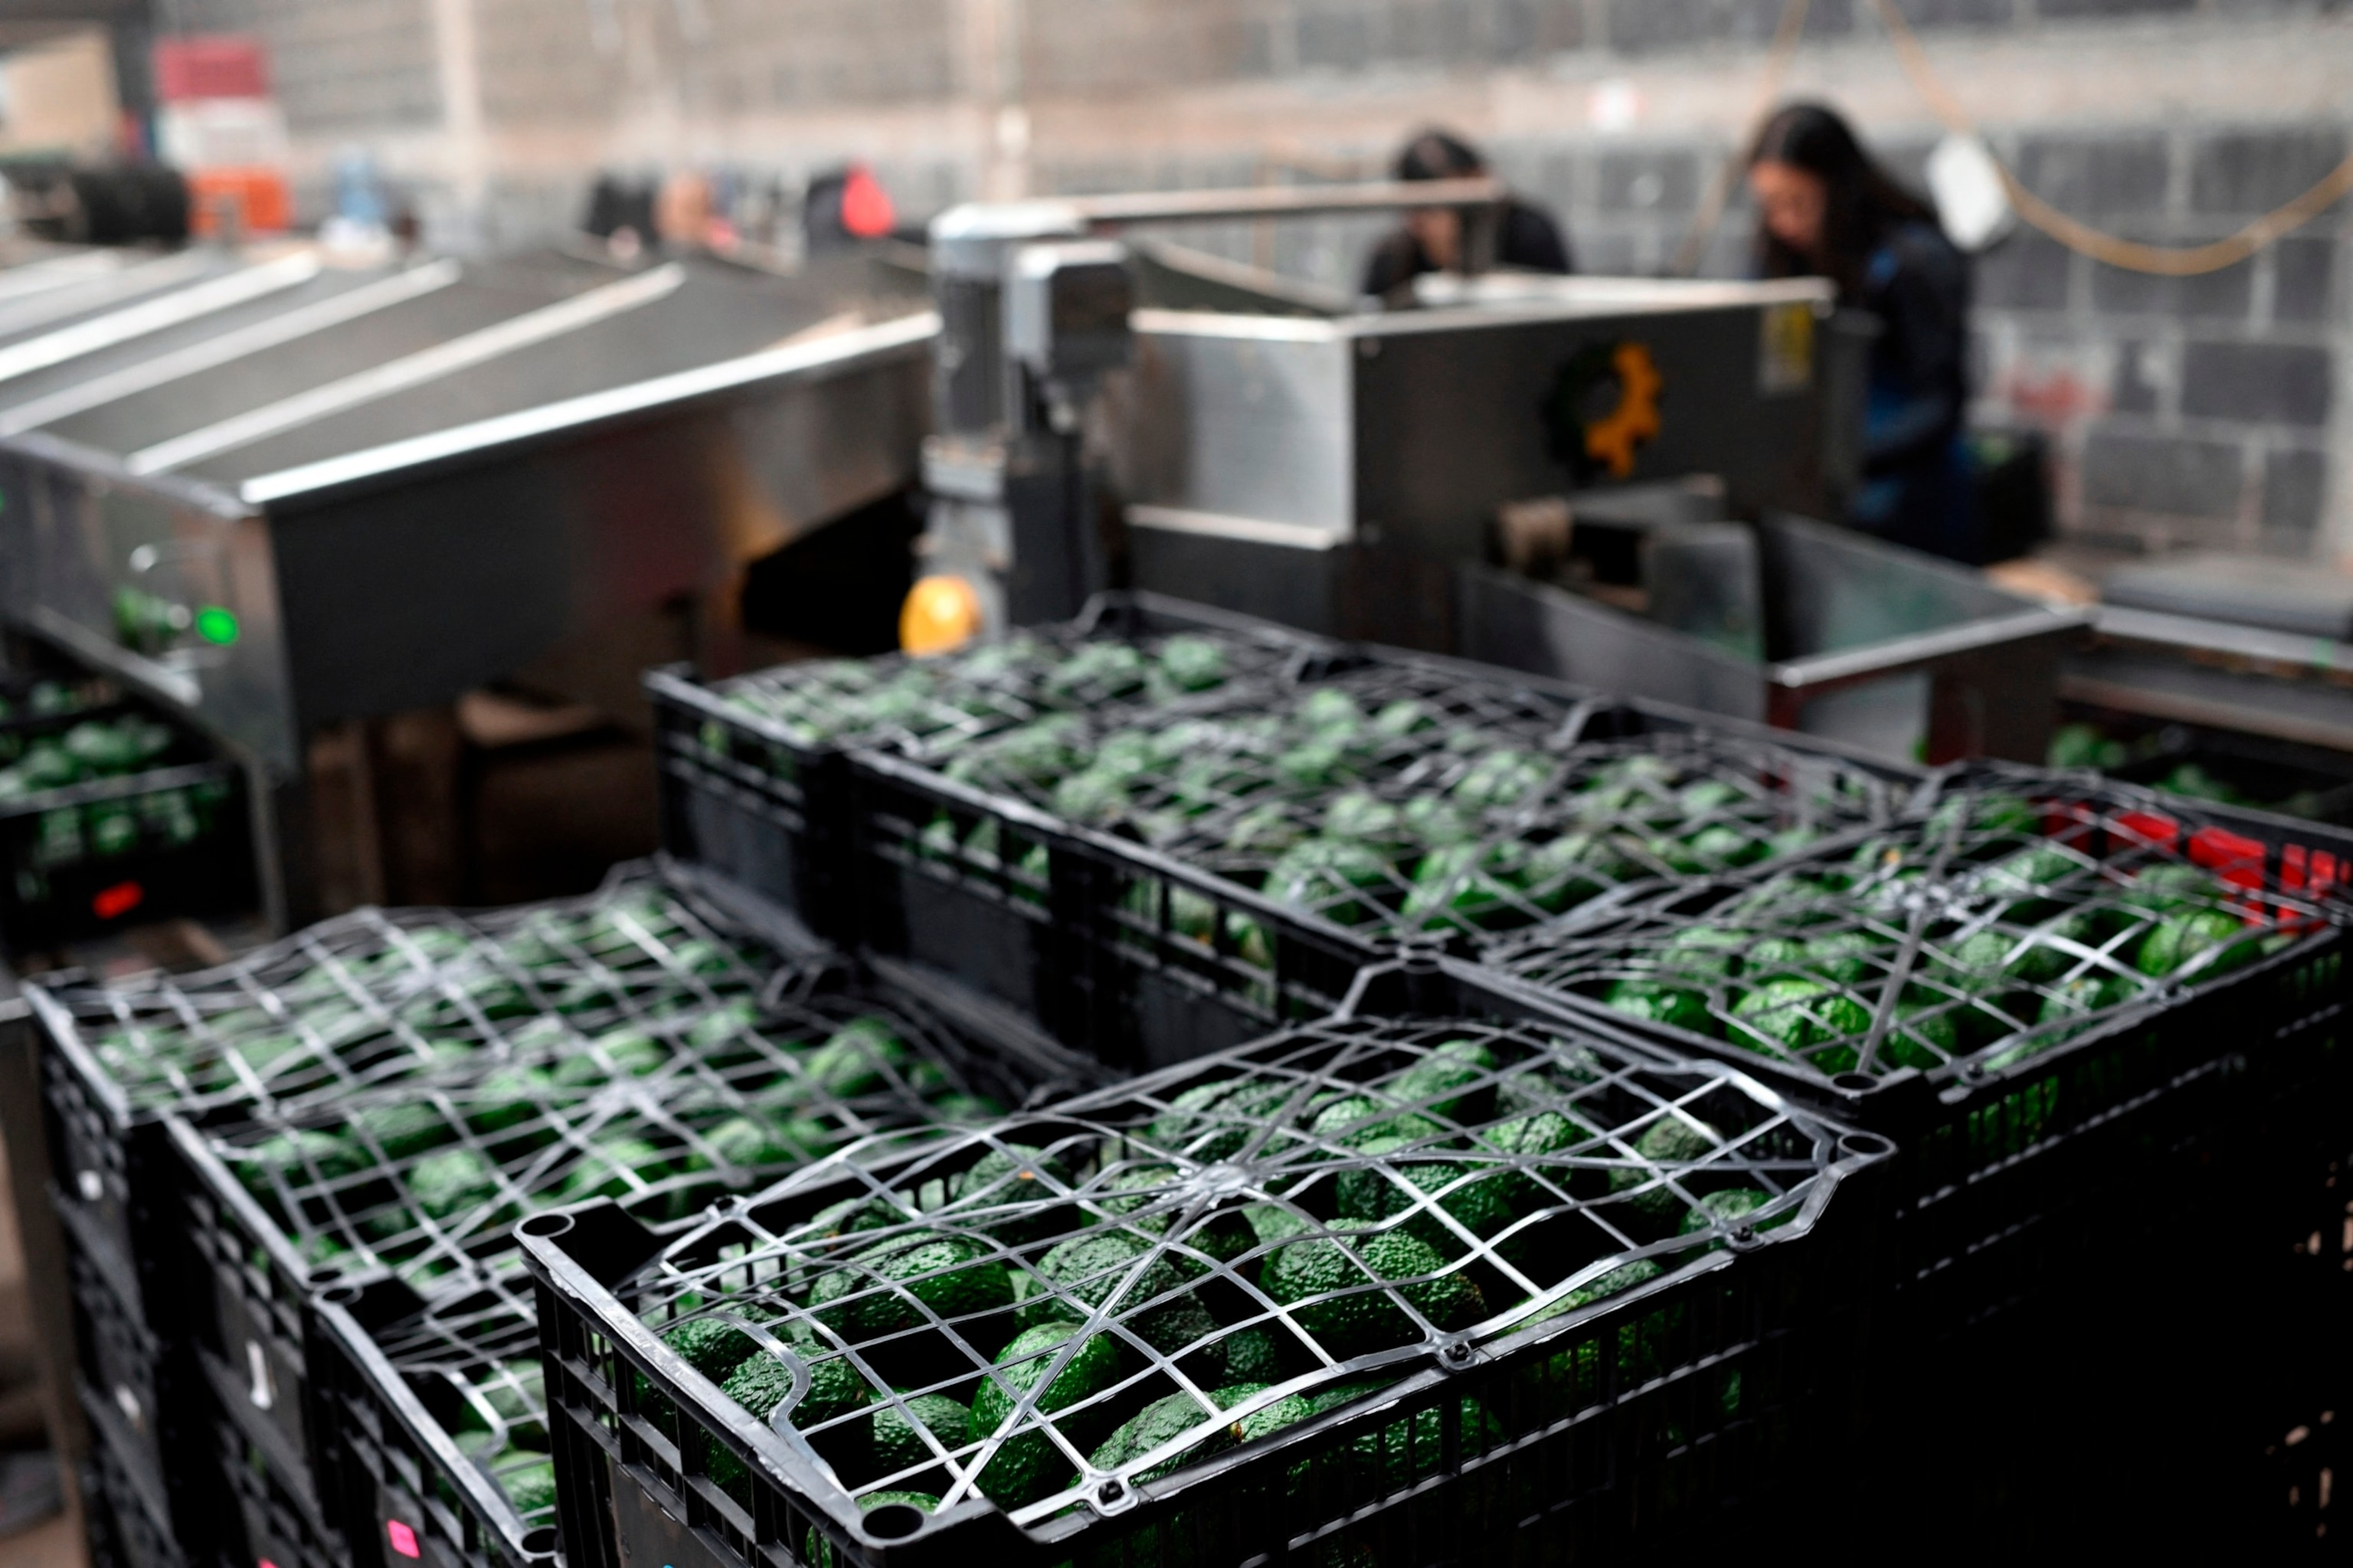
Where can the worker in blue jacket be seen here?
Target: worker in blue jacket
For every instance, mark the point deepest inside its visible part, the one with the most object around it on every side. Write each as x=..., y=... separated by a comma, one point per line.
x=1826, y=209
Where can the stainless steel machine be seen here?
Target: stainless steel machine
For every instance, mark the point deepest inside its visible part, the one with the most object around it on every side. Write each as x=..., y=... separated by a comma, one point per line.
x=1357, y=473
x=358, y=492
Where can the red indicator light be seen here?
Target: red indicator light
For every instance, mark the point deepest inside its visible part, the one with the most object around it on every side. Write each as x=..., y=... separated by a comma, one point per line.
x=119, y=900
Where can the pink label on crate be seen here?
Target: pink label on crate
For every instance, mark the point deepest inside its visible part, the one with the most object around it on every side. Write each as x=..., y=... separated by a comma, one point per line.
x=404, y=1539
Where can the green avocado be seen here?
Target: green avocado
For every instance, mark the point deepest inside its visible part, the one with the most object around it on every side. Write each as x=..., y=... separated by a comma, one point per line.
x=1026, y=1465
x=1328, y=1282
x=2203, y=943
x=895, y=1437
x=1655, y=1003
x=1084, y=1272
x=1166, y=1420
x=902, y=1284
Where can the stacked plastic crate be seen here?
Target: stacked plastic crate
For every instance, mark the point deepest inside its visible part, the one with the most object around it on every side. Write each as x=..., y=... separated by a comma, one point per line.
x=352, y=1121
x=110, y=816
x=1465, y=1285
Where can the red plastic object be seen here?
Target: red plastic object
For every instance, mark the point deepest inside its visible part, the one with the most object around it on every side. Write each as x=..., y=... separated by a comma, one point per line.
x=866, y=209
x=404, y=1539
x=118, y=900
x=211, y=65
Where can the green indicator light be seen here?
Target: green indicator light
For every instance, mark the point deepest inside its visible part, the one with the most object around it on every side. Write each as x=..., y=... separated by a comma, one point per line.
x=214, y=624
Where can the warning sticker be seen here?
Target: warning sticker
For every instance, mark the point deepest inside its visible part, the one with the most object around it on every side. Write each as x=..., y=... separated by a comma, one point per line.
x=1785, y=358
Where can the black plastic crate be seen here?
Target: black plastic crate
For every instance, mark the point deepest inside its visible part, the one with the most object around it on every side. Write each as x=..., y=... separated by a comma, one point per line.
x=1692, y=1260
x=160, y=1517
x=280, y=1208
x=2017, y=1094
x=124, y=1531
x=441, y=1423
x=1218, y=898
x=366, y=1002
x=265, y=1523
x=755, y=772
x=111, y=815
x=2222, y=766
x=130, y=1368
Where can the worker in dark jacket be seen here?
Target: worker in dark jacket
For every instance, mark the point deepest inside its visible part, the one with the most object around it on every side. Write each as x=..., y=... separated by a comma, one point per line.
x=1432, y=241
x=1825, y=209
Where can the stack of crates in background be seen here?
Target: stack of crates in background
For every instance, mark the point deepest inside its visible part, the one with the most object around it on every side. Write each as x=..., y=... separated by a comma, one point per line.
x=110, y=816
x=1548, y=1121
x=1154, y=879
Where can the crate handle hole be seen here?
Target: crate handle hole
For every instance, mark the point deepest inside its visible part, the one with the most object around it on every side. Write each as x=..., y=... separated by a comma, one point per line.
x=545, y=1225
x=540, y=1543
x=1866, y=1145
x=894, y=1522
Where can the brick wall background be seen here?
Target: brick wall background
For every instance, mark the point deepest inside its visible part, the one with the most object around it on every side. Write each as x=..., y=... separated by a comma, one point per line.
x=2214, y=410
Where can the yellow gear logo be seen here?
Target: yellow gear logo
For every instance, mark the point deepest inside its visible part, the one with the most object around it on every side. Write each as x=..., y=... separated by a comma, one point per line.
x=1594, y=439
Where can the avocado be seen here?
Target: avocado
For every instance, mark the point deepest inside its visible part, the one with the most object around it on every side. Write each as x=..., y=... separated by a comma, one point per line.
x=1392, y=1186
x=762, y=1382
x=1192, y=663
x=902, y=1284
x=1355, y=1120
x=1654, y=1003
x=405, y=1130
x=453, y=1182
x=527, y=1478
x=1166, y=1420
x=2203, y=943
x=1451, y=1079
x=1328, y=1282
x=1026, y=1465
x=857, y=1059
x=1792, y=1015
x=2169, y=887
x=615, y=1166
x=712, y=1346
x=896, y=1441
x=1674, y=1140
x=1084, y=1272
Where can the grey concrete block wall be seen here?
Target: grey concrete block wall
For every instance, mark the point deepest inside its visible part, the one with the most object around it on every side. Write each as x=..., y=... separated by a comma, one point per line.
x=2213, y=409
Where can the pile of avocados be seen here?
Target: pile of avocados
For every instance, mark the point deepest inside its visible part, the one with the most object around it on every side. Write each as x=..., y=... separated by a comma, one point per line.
x=368, y=1004
x=1391, y=816
x=39, y=759
x=409, y=1097
x=987, y=1330
x=1973, y=934
x=935, y=707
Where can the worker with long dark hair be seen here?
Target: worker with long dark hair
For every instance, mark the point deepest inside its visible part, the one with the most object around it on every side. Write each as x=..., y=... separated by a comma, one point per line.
x=1432, y=241
x=1826, y=209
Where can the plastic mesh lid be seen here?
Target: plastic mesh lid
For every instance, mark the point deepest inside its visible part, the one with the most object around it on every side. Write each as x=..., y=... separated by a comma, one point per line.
x=378, y=999
x=428, y=1178
x=473, y=1361
x=935, y=708
x=1449, y=810
x=2010, y=920
x=1151, y=1274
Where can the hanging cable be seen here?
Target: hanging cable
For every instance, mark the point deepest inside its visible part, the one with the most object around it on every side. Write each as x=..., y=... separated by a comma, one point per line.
x=2131, y=255
x=1778, y=62
x=2128, y=255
